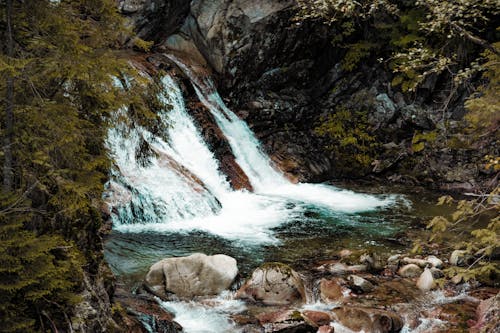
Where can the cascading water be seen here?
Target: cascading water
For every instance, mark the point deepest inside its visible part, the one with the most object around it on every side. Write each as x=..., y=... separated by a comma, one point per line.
x=179, y=189
x=182, y=189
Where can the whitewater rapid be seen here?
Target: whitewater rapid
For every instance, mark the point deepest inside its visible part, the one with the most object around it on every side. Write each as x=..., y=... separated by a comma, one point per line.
x=180, y=187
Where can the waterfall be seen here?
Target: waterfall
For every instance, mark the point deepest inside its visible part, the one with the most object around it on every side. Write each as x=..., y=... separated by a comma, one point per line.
x=182, y=189
x=264, y=177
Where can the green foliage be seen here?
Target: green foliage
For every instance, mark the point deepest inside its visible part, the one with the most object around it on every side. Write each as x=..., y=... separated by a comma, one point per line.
x=355, y=53
x=421, y=139
x=348, y=138
x=64, y=66
x=484, y=106
x=481, y=217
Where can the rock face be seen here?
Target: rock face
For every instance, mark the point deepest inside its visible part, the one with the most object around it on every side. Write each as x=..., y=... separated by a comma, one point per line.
x=273, y=284
x=195, y=275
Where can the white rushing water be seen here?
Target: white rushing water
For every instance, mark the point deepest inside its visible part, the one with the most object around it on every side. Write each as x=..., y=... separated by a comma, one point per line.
x=182, y=189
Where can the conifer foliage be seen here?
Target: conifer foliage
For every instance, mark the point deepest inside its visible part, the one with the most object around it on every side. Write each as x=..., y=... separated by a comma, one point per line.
x=58, y=67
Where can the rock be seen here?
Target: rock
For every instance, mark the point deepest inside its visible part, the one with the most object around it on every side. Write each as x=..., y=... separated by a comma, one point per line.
x=316, y=318
x=394, y=259
x=372, y=262
x=458, y=258
x=436, y=273
x=419, y=262
x=434, y=261
x=285, y=321
x=368, y=319
x=360, y=285
x=195, y=275
x=326, y=329
x=487, y=316
x=426, y=281
x=332, y=290
x=457, y=279
x=345, y=253
x=273, y=284
x=410, y=271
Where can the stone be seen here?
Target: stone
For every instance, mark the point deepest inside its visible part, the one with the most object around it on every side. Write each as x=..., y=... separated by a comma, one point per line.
x=360, y=285
x=458, y=258
x=434, y=261
x=273, y=284
x=316, y=318
x=426, y=281
x=285, y=321
x=419, y=262
x=368, y=319
x=332, y=290
x=487, y=316
x=436, y=273
x=326, y=329
x=410, y=271
x=195, y=275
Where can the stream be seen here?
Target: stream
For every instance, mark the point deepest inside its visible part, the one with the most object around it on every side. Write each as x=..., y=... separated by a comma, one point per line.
x=177, y=202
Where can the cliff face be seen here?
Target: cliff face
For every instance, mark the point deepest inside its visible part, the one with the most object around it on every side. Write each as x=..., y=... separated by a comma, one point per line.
x=285, y=78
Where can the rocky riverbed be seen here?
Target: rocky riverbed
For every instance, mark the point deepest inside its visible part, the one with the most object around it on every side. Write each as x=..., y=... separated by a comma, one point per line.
x=354, y=291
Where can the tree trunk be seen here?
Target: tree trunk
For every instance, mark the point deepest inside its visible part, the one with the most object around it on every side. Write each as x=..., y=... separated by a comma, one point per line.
x=8, y=172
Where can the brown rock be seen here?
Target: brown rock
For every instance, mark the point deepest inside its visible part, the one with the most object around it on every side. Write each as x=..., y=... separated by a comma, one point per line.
x=326, y=329
x=410, y=271
x=333, y=290
x=316, y=318
x=273, y=284
x=487, y=316
x=368, y=319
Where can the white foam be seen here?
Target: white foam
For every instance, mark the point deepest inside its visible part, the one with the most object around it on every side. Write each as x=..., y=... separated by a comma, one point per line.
x=209, y=316
x=182, y=188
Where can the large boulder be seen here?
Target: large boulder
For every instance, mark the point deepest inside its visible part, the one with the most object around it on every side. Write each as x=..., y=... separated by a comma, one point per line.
x=195, y=275
x=273, y=284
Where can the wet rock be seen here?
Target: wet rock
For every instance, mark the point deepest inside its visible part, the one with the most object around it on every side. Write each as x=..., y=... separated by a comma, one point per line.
x=487, y=316
x=345, y=253
x=273, y=284
x=316, y=318
x=419, y=262
x=426, y=281
x=326, y=329
x=368, y=320
x=195, y=275
x=434, y=261
x=436, y=273
x=459, y=258
x=360, y=285
x=142, y=309
x=410, y=271
x=372, y=262
x=333, y=290
x=285, y=321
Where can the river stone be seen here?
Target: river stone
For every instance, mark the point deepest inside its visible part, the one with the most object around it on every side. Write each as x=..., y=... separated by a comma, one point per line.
x=195, y=275
x=426, y=281
x=458, y=258
x=434, y=261
x=316, y=318
x=332, y=290
x=360, y=285
x=419, y=262
x=273, y=284
x=410, y=271
x=368, y=319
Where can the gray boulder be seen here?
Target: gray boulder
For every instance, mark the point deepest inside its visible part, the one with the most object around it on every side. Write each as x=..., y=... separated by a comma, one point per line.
x=273, y=284
x=195, y=275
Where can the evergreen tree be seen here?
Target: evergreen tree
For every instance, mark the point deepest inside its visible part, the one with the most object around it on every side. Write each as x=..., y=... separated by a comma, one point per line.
x=58, y=67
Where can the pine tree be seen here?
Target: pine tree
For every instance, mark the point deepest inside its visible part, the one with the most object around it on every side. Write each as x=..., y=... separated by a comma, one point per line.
x=58, y=67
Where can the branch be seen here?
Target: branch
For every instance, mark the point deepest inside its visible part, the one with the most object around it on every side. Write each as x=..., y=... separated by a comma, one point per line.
x=472, y=38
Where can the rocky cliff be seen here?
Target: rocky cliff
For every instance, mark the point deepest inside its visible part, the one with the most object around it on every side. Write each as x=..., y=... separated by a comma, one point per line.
x=284, y=77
